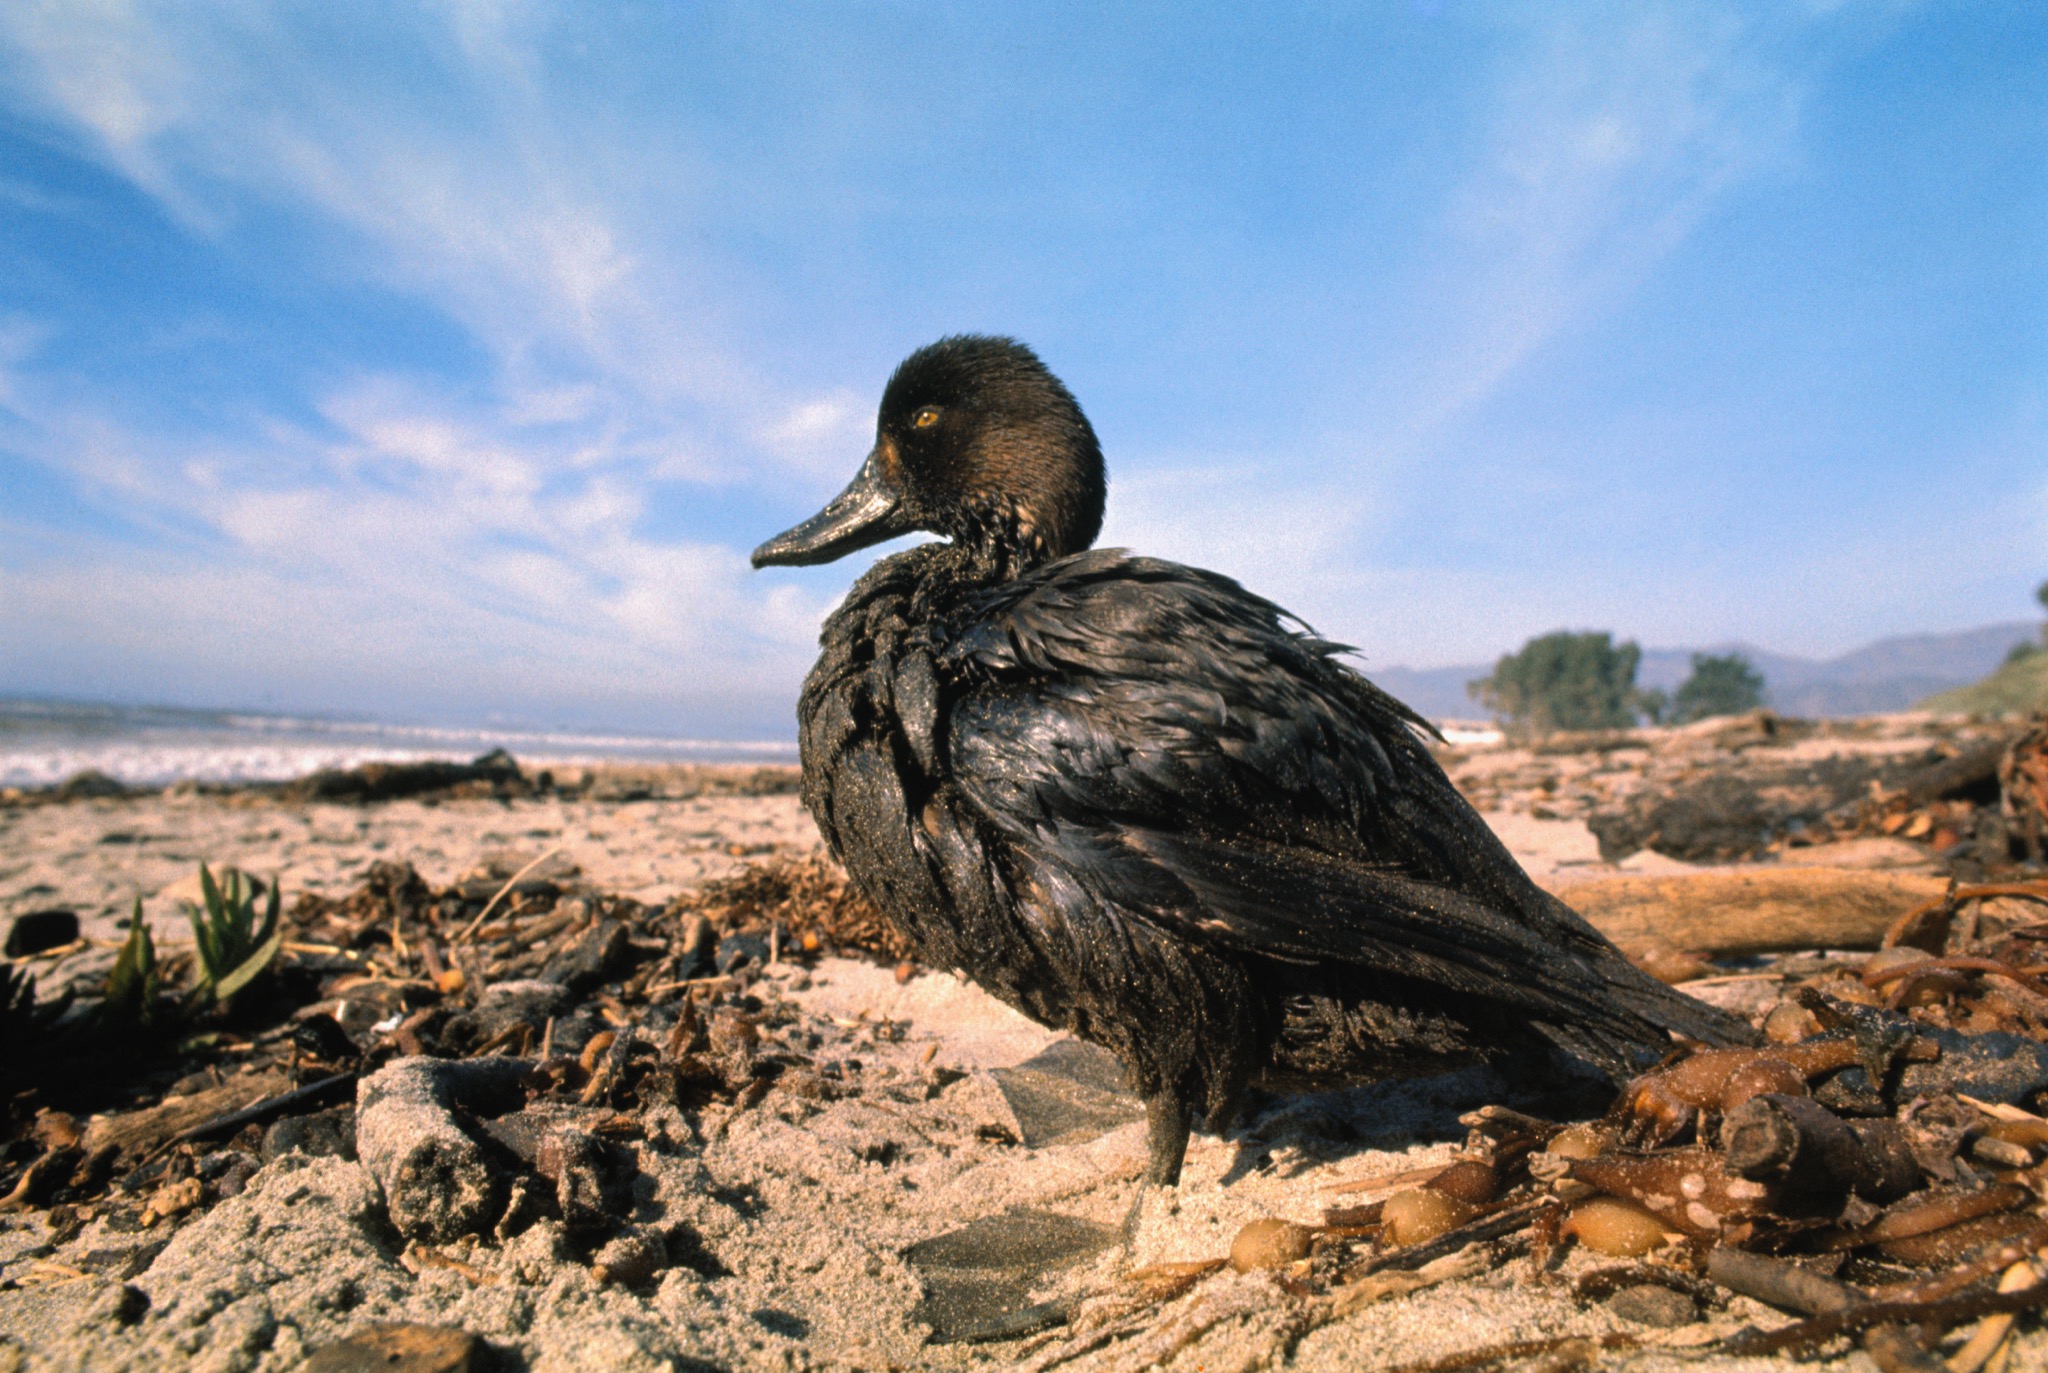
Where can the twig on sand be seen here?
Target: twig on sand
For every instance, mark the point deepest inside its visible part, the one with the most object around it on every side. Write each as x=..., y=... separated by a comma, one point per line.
x=1577, y=1352
x=469, y=930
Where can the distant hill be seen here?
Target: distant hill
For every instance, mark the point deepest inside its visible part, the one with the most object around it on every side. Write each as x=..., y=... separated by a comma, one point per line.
x=1891, y=674
x=2015, y=687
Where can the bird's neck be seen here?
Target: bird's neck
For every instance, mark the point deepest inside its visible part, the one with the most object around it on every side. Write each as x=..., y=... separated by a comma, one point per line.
x=994, y=548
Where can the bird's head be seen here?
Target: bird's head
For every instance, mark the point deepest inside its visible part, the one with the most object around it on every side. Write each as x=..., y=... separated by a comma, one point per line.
x=975, y=441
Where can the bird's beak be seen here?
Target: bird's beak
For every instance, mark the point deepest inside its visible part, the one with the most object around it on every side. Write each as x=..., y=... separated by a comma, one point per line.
x=866, y=512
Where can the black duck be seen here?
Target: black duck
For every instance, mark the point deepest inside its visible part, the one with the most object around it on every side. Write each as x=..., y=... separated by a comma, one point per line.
x=1141, y=804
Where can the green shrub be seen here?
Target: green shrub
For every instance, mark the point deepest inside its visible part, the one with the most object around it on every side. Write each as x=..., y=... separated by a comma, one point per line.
x=1565, y=680
x=1721, y=684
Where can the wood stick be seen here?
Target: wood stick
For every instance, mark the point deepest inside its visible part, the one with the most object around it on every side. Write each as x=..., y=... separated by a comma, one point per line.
x=1752, y=911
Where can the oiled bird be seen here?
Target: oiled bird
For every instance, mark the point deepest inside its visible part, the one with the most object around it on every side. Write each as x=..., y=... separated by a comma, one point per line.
x=1145, y=806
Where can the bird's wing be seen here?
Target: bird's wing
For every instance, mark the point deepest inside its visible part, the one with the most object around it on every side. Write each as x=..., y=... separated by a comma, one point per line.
x=1163, y=742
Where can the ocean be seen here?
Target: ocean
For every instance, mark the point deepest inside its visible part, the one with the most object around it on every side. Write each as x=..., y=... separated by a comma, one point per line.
x=44, y=742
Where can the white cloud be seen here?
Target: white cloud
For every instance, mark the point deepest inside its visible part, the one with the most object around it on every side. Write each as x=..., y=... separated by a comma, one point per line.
x=423, y=553
x=1613, y=131
x=455, y=171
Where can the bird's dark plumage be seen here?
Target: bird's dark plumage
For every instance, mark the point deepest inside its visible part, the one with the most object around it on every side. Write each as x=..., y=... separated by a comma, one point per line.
x=1137, y=802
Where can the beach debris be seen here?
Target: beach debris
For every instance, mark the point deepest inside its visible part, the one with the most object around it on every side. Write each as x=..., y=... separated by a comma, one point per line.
x=2023, y=788
x=1753, y=911
x=517, y=1039
x=35, y=932
x=1422, y=1213
x=1651, y=1304
x=1615, y=1226
x=494, y=774
x=437, y=1180
x=808, y=898
x=1270, y=1243
x=400, y=1348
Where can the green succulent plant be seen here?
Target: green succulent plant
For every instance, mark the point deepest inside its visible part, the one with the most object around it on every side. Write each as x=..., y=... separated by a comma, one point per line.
x=234, y=948
x=135, y=984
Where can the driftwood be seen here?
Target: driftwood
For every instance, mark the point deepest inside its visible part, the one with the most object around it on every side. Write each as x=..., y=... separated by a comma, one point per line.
x=1798, y=1144
x=1752, y=912
x=1892, y=1345
x=138, y=1133
x=438, y=1181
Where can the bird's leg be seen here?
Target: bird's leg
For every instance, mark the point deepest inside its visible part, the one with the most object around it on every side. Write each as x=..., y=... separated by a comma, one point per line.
x=1167, y=1120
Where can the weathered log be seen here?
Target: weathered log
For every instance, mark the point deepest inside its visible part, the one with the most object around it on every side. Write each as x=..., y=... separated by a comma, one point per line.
x=1749, y=912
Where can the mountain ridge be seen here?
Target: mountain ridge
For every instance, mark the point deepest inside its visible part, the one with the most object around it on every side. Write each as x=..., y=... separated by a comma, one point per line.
x=1888, y=674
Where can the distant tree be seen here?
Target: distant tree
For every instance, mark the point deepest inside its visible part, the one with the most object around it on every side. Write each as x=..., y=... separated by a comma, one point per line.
x=1564, y=681
x=2024, y=649
x=2041, y=595
x=1721, y=684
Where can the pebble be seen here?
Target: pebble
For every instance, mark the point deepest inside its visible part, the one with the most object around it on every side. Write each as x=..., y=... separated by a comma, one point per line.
x=1650, y=1304
x=39, y=931
x=400, y=1348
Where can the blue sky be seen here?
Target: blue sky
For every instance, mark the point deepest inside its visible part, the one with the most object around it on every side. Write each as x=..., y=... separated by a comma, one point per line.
x=444, y=361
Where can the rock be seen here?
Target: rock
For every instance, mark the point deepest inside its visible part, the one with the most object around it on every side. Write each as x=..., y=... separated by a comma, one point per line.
x=330, y=1133
x=41, y=930
x=591, y=960
x=631, y=1258
x=438, y=1182
x=1650, y=1304
x=529, y=1002
x=323, y=1037
x=742, y=950
x=593, y=1179
x=400, y=1349
x=1997, y=1067
x=120, y=1304
x=978, y=1279
x=1070, y=1092
x=89, y=783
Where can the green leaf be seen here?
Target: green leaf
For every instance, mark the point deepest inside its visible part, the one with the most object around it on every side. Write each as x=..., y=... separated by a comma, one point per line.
x=133, y=982
x=247, y=972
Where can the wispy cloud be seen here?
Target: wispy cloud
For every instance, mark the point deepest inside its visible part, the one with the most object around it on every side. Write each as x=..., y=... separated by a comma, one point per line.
x=1610, y=133
x=628, y=242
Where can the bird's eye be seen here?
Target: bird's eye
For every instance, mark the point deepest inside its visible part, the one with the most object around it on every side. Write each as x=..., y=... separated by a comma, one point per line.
x=925, y=418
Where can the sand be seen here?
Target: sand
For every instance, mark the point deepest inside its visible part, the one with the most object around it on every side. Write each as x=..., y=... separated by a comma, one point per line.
x=814, y=1217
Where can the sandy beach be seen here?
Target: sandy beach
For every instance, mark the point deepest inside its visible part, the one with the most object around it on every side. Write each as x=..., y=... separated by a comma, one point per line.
x=957, y=1173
